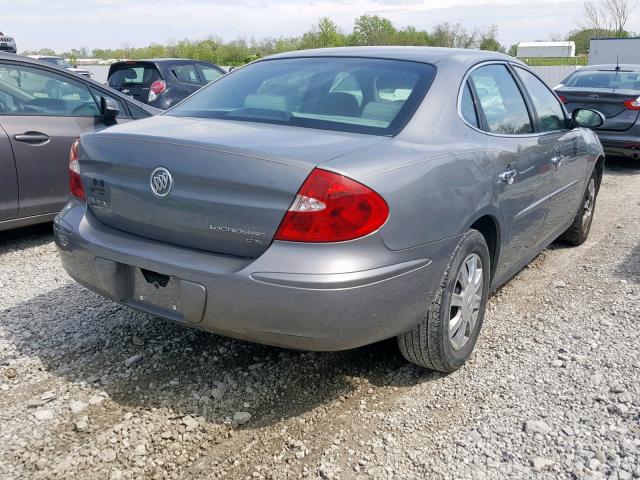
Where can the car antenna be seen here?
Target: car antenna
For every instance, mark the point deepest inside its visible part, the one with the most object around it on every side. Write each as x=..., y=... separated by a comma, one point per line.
x=617, y=63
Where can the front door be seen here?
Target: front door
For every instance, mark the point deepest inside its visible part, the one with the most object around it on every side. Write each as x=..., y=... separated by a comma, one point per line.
x=564, y=153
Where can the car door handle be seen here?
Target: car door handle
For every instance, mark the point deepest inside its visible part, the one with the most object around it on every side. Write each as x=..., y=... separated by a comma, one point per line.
x=31, y=137
x=557, y=160
x=508, y=176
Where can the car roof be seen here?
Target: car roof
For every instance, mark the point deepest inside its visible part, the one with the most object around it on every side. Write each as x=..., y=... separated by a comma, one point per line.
x=611, y=66
x=163, y=60
x=12, y=57
x=431, y=55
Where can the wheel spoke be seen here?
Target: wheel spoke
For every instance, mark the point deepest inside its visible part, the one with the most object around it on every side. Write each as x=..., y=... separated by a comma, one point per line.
x=457, y=300
x=458, y=336
x=477, y=300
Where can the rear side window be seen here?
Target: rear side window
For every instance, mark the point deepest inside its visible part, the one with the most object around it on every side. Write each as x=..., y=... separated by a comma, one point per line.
x=185, y=73
x=362, y=95
x=133, y=74
x=467, y=107
x=550, y=113
x=501, y=101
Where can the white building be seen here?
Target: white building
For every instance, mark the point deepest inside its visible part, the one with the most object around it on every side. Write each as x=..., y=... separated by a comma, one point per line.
x=546, y=49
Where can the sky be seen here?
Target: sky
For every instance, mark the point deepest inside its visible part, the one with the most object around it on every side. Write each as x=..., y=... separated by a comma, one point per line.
x=65, y=24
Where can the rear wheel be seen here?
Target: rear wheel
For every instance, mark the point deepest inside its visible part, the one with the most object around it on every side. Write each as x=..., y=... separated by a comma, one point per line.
x=447, y=334
x=579, y=230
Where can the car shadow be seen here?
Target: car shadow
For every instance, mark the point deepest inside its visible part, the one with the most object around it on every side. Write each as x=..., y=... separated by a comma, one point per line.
x=629, y=268
x=621, y=166
x=83, y=337
x=26, y=237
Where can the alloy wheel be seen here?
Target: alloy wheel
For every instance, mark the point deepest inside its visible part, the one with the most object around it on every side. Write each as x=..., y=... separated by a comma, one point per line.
x=465, y=301
x=589, y=202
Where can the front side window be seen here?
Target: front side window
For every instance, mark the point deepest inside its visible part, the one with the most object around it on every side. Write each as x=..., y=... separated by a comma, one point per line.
x=209, y=73
x=362, y=95
x=32, y=91
x=550, y=112
x=501, y=101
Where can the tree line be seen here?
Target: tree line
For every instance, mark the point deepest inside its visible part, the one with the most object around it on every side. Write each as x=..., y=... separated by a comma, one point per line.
x=367, y=30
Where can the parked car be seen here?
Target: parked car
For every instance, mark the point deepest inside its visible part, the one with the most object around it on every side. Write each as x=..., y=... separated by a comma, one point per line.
x=329, y=199
x=61, y=62
x=43, y=108
x=161, y=82
x=7, y=44
x=613, y=90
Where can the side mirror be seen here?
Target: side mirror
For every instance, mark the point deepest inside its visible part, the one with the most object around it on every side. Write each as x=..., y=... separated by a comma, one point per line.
x=109, y=109
x=585, y=117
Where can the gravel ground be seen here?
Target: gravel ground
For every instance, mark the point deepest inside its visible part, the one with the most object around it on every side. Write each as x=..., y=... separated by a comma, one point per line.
x=89, y=389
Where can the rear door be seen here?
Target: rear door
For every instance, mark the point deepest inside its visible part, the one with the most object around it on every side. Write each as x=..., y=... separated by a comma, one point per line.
x=521, y=160
x=187, y=76
x=46, y=110
x=8, y=176
x=565, y=153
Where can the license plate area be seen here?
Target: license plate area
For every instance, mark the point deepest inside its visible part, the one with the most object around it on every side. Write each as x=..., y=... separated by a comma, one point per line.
x=157, y=289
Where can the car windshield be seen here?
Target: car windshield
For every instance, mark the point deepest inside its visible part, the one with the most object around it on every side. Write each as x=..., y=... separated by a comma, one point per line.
x=57, y=61
x=609, y=79
x=361, y=95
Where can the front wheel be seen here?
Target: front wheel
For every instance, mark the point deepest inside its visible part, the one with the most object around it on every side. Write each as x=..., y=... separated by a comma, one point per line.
x=579, y=230
x=448, y=332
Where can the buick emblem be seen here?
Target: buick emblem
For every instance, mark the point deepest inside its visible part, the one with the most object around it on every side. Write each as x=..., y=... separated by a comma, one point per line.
x=161, y=182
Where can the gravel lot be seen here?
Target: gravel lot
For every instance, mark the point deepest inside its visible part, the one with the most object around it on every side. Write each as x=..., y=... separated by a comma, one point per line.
x=89, y=389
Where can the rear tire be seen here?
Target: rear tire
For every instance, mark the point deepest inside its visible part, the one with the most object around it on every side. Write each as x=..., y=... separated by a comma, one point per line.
x=448, y=332
x=579, y=230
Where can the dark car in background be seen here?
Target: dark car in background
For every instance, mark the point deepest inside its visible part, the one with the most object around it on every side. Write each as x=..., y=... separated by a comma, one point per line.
x=161, y=82
x=43, y=108
x=613, y=90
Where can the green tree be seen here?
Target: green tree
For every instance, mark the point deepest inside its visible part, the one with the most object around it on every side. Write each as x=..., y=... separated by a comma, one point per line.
x=328, y=33
x=373, y=30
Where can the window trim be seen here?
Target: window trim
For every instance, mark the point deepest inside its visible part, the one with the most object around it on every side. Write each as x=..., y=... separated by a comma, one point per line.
x=525, y=96
x=71, y=76
x=515, y=68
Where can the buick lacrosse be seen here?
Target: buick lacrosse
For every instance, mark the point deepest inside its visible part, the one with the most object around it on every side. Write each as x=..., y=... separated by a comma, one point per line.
x=329, y=199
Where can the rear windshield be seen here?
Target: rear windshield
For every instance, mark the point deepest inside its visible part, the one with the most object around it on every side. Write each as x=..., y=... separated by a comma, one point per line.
x=609, y=79
x=133, y=74
x=359, y=95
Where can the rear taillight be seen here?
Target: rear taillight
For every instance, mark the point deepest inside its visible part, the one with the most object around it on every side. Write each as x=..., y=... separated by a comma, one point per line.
x=156, y=88
x=562, y=98
x=75, y=183
x=331, y=208
x=632, y=104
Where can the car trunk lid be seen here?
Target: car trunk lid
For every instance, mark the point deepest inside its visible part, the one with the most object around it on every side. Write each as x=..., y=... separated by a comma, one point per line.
x=232, y=182
x=609, y=102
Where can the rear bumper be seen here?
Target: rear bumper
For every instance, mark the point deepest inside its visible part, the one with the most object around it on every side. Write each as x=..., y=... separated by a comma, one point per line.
x=621, y=144
x=312, y=297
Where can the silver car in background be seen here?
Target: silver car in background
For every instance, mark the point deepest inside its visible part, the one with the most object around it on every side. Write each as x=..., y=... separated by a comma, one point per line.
x=334, y=198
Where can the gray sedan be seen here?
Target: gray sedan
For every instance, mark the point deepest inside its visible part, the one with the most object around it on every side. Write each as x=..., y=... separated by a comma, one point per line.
x=43, y=108
x=329, y=199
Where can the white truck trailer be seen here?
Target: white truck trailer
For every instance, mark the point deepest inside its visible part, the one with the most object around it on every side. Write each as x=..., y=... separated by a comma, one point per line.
x=614, y=50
